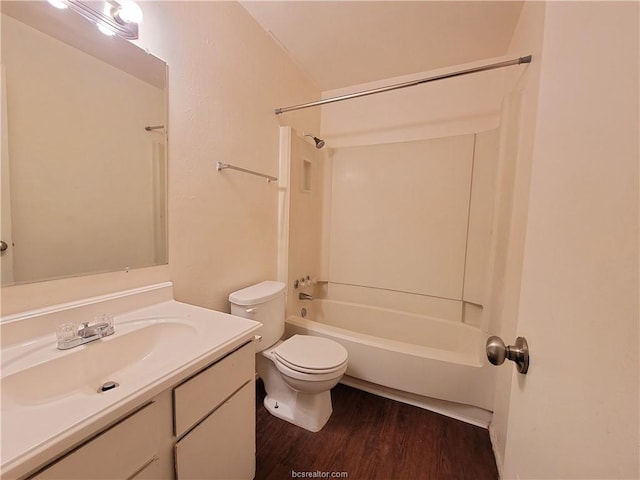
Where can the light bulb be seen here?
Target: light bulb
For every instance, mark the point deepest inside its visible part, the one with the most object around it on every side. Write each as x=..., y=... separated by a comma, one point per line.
x=106, y=30
x=128, y=12
x=58, y=4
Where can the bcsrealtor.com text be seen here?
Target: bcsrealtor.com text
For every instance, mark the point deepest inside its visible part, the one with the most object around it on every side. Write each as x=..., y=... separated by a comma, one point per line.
x=319, y=474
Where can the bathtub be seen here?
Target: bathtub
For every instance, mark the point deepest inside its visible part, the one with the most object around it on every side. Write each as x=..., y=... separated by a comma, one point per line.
x=406, y=352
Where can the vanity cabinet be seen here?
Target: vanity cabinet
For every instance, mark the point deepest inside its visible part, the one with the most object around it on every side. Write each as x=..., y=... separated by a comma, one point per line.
x=216, y=432
x=222, y=446
x=122, y=451
x=204, y=427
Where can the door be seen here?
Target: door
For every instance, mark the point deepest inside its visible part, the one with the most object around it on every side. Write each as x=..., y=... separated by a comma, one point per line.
x=6, y=251
x=576, y=413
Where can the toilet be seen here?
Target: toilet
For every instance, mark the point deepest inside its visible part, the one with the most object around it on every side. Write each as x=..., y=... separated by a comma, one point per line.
x=298, y=373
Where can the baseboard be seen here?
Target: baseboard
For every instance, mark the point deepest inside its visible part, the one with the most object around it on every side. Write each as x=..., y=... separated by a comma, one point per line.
x=496, y=454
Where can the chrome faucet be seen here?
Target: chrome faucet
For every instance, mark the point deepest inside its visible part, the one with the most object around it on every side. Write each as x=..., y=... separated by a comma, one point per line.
x=305, y=296
x=97, y=329
x=69, y=335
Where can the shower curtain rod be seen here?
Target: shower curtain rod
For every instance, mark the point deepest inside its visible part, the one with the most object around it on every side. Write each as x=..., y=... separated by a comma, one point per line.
x=507, y=63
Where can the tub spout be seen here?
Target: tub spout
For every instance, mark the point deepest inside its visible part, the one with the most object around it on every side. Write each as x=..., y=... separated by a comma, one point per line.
x=305, y=296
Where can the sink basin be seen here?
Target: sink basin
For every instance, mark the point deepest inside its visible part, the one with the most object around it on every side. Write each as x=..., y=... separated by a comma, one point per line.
x=46, y=374
x=51, y=398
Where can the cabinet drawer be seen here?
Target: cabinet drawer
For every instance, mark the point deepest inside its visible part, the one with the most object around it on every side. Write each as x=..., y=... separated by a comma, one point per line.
x=198, y=396
x=118, y=453
x=223, y=446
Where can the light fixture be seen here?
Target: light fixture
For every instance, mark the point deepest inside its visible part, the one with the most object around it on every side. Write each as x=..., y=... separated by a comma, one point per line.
x=128, y=12
x=105, y=30
x=59, y=4
x=117, y=17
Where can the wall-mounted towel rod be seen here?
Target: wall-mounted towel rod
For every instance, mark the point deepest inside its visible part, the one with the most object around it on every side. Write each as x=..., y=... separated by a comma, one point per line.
x=222, y=166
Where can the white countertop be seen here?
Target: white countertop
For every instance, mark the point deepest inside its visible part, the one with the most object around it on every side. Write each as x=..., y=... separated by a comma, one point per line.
x=164, y=343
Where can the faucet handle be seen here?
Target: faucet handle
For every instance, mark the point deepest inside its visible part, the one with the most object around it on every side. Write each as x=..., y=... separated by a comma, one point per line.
x=67, y=336
x=66, y=332
x=105, y=318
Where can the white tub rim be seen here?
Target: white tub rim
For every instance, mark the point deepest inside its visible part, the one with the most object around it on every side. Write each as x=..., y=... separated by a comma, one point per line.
x=470, y=359
x=442, y=321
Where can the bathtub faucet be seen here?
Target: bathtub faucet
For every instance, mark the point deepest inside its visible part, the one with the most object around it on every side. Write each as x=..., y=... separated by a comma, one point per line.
x=305, y=296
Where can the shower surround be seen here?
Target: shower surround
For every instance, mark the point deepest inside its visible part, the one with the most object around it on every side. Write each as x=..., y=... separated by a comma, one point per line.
x=397, y=238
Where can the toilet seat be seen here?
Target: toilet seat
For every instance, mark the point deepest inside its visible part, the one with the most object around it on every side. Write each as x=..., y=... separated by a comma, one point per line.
x=311, y=355
x=310, y=378
x=309, y=371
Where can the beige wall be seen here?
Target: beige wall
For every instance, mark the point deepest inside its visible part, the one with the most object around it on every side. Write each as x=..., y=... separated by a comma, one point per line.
x=226, y=75
x=225, y=78
x=305, y=218
x=79, y=202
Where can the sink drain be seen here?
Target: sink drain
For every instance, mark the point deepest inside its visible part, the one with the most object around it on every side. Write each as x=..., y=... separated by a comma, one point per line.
x=106, y=386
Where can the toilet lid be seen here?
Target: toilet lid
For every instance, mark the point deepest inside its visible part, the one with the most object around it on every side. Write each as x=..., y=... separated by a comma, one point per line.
x=313, y=353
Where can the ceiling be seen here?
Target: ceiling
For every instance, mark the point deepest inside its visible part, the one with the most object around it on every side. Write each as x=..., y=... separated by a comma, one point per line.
x=342, y=43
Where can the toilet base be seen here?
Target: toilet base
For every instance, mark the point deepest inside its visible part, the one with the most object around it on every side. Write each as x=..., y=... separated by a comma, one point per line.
x=310, y=411
x=310, y=414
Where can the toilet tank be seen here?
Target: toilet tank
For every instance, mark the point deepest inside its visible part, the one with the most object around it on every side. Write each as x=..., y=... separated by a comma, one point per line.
x=264, y=303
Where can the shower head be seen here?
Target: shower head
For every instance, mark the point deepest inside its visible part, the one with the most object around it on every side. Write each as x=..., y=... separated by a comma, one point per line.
x=319, y=142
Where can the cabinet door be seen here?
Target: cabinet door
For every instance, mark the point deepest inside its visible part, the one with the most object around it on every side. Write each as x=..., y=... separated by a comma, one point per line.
x=118, y=453
x=223, y=445
x=200, y=395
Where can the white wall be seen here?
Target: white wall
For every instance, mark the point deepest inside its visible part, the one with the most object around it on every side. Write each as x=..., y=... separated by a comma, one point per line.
x=483, y=204
x=399, y=216
x=410, y=225
x=226, y=75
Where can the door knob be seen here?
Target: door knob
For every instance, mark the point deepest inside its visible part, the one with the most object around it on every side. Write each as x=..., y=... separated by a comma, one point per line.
x=497, y=352
x=3, y=245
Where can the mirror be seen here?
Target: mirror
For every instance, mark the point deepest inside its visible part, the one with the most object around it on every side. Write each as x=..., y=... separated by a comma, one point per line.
x=83, y=148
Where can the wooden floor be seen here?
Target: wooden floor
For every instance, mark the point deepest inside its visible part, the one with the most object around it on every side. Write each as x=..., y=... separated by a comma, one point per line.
x=371, y=437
